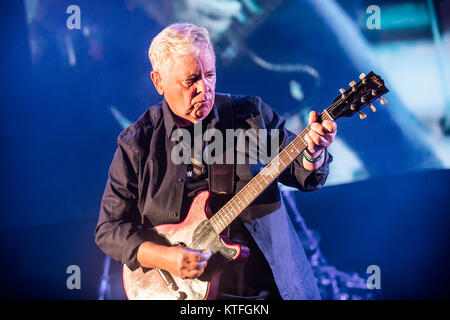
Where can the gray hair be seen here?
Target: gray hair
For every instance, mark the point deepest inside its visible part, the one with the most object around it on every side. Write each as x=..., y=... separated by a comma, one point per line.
x=177, y=39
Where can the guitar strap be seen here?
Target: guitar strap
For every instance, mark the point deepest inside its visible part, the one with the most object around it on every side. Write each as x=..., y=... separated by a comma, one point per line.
x=221, y=175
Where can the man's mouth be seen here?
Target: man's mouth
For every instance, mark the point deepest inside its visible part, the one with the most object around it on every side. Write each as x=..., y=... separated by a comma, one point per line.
x=199, y=105
x=200, y=102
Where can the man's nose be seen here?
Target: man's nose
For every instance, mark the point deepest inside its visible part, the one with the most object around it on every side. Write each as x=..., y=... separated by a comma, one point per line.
x=202, y=85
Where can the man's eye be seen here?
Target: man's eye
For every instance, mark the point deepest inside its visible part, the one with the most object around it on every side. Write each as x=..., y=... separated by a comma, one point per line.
x=189, y=82
x=211, y=75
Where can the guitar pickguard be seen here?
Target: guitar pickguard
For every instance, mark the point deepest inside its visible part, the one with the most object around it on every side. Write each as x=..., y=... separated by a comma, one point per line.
x=205, y=237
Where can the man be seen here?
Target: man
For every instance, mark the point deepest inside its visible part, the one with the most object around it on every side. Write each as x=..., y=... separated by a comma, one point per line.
x=146, y=188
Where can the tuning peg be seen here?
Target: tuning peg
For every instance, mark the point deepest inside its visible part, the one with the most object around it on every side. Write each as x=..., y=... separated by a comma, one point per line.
x=352, y=107
x=362, y=76
x=362, y=115
x=383, y=101
x=341, y=90
x=373, y=108
x=352, y=84
x=363, y=100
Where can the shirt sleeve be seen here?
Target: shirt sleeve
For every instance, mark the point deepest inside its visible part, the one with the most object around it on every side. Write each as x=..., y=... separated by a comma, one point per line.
x=118, y=233
x=295, y=175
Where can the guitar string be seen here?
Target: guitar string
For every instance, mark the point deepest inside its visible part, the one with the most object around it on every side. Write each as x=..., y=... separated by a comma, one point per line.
x=224, y=214
x=220, y=216
x=225, y=210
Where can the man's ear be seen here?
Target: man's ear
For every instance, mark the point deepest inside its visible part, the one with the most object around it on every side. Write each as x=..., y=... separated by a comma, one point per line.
x=156, y=78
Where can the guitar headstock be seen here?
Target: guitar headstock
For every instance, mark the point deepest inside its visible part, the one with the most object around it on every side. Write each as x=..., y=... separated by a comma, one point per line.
x=359, y=95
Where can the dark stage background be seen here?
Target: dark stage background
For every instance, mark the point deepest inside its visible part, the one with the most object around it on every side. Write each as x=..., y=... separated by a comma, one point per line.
x=66, y=95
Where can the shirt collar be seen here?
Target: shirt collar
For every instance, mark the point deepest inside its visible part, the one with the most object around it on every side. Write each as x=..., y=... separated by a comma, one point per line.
x=169, y=121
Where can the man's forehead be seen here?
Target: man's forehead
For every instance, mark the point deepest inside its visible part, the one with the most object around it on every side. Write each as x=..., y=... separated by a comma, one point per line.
x=190, y=63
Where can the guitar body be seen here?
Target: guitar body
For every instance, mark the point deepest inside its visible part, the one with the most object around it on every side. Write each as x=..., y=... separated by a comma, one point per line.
x=194, y=232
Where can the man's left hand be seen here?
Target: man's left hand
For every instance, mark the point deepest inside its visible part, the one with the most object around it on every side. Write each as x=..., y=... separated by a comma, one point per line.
x=321, y=135
x=318, y=138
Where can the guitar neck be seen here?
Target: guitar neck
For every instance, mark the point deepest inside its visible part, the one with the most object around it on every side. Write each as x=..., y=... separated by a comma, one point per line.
x=252, y=190
x=351, y=101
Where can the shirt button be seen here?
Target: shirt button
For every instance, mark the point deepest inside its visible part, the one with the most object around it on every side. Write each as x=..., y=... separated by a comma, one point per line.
x=180, y=179
x=174, y=214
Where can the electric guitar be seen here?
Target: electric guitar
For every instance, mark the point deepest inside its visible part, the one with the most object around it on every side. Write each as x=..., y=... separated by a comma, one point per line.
x=197, y=231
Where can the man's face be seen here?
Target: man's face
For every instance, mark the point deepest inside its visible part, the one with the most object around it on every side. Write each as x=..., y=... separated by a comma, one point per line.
x=189, y=84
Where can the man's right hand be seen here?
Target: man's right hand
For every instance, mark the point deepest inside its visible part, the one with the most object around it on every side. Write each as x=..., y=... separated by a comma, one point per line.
x=182, y=262
x=187, y=263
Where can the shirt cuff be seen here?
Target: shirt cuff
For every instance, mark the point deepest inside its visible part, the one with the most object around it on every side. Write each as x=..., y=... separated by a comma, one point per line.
x=314, y=179
x=129, y=255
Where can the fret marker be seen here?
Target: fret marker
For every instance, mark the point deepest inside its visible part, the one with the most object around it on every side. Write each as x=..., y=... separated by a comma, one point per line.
x=270, y=171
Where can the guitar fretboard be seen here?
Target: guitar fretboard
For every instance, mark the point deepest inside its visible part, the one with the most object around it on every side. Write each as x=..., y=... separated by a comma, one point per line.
x=262, y=180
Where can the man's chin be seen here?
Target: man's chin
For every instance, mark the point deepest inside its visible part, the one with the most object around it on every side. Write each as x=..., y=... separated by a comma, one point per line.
x=200, y=114
x=196, y=120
